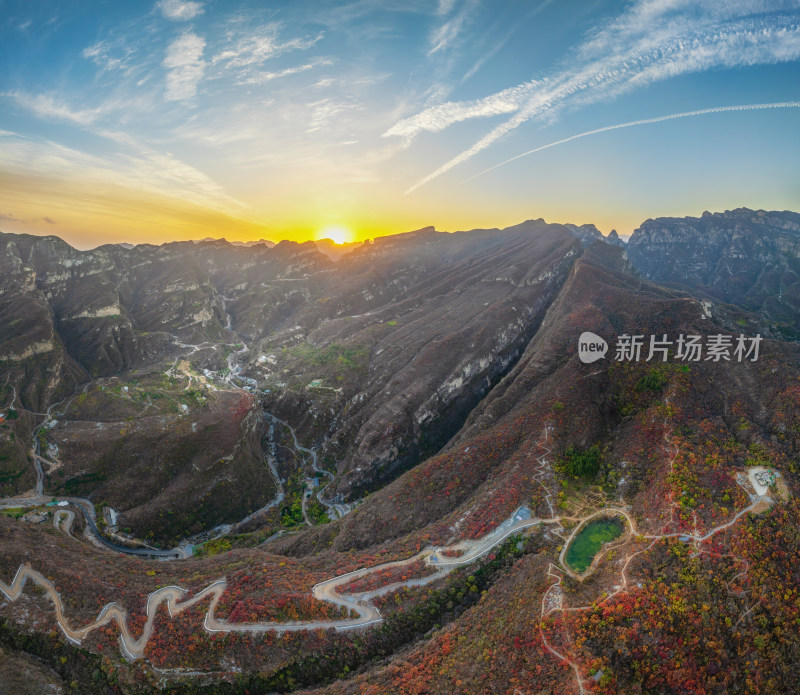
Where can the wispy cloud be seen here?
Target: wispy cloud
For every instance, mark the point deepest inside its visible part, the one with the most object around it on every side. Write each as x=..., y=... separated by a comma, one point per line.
x=447, y=33
x=437, y=118
x=11, y=217
x=48, y=107
x=326, y=111
x=492, y=52
x=653, y=41
x=143, y=169
x=642, y=121
x=259, y=46
x=185, y=66
x=267, y=76
x=179, y=10
x=102, y=54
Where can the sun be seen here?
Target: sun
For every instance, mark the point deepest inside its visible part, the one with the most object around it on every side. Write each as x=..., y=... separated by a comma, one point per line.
x=336, y=233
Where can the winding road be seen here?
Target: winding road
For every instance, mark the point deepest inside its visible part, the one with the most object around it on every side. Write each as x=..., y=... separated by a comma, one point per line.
x=334, y=511
x=175, y=597
x=361, y=604
x=362, y=610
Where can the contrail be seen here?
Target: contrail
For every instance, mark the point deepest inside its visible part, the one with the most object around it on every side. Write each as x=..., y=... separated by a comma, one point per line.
x=645, y=121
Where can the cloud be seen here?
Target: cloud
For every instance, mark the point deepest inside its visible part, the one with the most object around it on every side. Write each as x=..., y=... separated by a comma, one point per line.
x=488, y=55
x=9, y=217
x=643, y=121
x=262, y=77
x=437, y=118
x=654, y=40
x=326, y=112
x=48, y=220
x=258, y=46
x=185, y=66
x=144, y=170
x=48, y=107
x=179, y=10
x=445, y=36
x=101, y=54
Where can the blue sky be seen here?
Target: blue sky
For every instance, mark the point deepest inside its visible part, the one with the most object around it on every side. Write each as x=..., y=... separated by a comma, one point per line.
x=148, y=121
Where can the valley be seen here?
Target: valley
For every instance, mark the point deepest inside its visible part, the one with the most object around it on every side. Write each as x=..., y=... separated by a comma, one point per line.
x=267, y=454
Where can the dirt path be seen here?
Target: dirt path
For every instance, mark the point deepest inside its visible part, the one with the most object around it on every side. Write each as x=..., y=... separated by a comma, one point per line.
x=361, y=604
x=334, y=511
x=553, y=598
x=173, y=596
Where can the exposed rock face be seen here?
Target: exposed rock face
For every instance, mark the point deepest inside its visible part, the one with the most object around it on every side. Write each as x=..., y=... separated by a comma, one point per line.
x=400, y=338
x=747, y=257
x=441, y=372
x=587, y=233
x=550, y=401
x=103, y=311
x=615, y=239
x=30, y=350
x=377, y=359
x=441, y=318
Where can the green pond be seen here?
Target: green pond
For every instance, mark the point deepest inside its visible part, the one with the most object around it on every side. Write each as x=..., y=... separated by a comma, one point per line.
x=591, y=538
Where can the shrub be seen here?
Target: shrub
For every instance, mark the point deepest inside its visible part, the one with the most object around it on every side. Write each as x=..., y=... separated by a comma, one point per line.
x=655, y=380
x=583, y=463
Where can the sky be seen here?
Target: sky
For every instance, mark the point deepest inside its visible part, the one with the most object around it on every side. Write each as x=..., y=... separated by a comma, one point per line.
x=145, y=121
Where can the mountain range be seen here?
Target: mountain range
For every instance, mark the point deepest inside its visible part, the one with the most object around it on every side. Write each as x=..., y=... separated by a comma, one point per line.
x=293, y=412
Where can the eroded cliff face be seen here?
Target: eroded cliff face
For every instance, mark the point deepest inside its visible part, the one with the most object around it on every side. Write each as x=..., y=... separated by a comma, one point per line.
x=77, y=315
x=440, y=371
x=377, y=359
x=410, y=334
x=750, y=258
x=77, y=323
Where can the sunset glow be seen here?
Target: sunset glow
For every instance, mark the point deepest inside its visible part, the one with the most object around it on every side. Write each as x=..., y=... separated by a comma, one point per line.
x=145, y=122
x=337, y=234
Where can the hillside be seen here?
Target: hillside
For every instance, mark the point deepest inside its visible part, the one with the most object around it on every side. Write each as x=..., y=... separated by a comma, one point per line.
x=372, y=468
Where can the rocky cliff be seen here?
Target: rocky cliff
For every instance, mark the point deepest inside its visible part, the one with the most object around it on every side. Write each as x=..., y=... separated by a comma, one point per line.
x=746, y=257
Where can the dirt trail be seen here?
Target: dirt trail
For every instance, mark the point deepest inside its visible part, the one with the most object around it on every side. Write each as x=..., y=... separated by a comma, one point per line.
x=174, y=596
x=176, y=601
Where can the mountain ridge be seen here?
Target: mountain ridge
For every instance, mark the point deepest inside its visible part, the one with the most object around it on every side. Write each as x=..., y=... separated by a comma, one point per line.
x=296, y=418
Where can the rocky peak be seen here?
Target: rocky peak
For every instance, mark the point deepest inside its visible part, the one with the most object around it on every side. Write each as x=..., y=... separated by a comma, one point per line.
x=614, y=238
x=587, y=233
x=742, y=256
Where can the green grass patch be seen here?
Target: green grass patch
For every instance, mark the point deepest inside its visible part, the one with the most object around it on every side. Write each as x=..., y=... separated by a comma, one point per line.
x=213, y=547
x=337, y=356
x=13, y=512
x=590, y=540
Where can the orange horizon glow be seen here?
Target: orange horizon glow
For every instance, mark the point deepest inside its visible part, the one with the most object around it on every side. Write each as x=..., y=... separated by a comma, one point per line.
x=87, y=213
x=128, y=123
x=337, y=233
